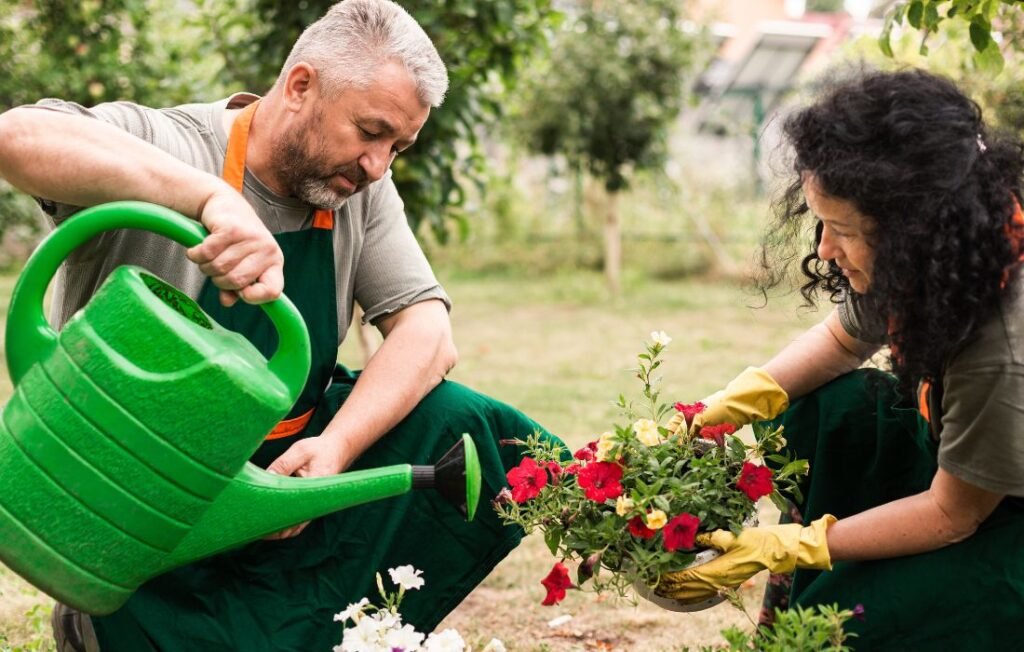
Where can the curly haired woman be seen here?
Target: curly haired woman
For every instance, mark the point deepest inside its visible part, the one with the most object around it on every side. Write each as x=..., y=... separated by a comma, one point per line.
x=914, y=497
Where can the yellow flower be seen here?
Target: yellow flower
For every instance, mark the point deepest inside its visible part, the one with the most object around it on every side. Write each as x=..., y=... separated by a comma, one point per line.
x=656, y=519
x=605, y=444
x=623, y=505
x=647, y=432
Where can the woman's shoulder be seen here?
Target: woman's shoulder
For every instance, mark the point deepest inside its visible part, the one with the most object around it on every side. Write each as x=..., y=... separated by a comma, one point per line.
x=999, y=341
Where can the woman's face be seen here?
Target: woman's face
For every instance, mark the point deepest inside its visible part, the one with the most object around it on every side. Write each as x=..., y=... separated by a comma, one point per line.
x=845, y=234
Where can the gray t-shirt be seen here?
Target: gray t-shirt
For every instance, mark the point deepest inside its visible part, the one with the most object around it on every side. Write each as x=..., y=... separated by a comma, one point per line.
x=377, y=259
x=982, y=433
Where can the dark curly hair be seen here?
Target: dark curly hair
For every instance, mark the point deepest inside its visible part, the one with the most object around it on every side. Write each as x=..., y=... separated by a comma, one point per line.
x=911, y=152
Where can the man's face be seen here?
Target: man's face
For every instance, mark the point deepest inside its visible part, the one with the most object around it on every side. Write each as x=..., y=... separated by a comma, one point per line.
x=347, y=142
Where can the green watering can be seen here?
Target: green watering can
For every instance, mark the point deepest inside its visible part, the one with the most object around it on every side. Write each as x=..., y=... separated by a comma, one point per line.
x=123, y=451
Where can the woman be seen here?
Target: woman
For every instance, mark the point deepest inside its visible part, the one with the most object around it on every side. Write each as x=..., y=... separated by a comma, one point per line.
x=918, y=239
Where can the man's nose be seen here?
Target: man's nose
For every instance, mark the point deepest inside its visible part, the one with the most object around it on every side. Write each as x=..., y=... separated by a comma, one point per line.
x=376, y=161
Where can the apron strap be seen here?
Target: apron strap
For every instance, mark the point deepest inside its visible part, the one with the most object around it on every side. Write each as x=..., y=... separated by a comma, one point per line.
x=234, y=174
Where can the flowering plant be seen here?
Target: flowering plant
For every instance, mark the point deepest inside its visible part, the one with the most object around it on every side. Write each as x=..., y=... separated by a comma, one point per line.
x=380, y=628
x=633, y=500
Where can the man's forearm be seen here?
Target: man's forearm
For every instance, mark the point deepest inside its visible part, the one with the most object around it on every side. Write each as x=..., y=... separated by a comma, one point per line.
x=416, y=354
x=83, y=162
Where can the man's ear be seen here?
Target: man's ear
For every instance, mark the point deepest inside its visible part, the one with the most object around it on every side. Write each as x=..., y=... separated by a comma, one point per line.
x=301, y=86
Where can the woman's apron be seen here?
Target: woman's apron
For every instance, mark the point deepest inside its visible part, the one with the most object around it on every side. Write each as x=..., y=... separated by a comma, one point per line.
x=282, y=595
x=865, y=449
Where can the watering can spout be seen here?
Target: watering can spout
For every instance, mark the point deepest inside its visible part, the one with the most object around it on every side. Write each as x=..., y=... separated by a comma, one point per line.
x=233, y=519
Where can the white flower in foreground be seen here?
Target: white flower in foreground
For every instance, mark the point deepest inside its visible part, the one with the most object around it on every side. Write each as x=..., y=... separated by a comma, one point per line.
x=660, y=337
x=366, y=636
x=406, y=638
x=647, y=432
x=494, y=645
x=406, y=577
x=447, y=641
x=352, y=612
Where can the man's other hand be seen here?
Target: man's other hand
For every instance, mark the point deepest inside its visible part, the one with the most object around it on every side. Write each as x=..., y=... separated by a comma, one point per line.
x=312, y=457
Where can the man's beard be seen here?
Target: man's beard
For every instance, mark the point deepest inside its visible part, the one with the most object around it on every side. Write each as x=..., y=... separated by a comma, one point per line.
x=303, y=169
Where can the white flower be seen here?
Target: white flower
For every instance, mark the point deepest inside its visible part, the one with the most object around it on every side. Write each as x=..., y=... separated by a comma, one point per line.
x=366, y=636
x=647, y=432
x=660, y=338
x=406, y=638
x=406, y=577
x=447, y=641
x=494, y=645
x=352, y=612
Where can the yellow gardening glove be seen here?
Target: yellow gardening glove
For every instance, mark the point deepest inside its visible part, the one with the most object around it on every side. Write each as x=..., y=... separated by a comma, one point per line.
x=778, y=548
x=751, y=396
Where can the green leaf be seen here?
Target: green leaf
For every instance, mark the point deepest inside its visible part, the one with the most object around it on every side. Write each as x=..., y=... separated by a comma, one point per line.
x=981, y=36
x=552, y=538
x=915, y=13
x=990, y=60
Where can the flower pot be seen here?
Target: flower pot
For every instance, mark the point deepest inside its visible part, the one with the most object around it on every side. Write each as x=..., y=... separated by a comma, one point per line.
x=671, y=604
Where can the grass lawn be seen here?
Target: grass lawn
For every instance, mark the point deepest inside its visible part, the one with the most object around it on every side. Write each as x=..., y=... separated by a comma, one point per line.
x=556, y=346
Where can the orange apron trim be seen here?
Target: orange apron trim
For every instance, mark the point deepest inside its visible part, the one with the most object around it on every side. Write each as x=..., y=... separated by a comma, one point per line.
x=289, y=427
x=922, y=400
x=1015, y=234
x=234, y=174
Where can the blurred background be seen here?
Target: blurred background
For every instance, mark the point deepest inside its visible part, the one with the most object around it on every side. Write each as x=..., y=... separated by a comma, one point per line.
x=600, y=169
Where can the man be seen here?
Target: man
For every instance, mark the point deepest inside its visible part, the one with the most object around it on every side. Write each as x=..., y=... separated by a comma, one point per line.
x=296, y=193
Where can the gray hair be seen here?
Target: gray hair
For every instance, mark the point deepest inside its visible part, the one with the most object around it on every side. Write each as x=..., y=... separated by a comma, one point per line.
x=355, y=37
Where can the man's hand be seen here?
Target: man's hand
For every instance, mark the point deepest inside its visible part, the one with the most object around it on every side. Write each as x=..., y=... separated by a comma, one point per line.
x=240, y=255
x=778, y=548
x=312, y=457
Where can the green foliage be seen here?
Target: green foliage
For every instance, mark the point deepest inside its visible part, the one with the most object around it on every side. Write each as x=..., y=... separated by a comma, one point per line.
x=92, y=51
x=1001, y=95
x=610, y=87
x=817, y=629
x=483, y=43
x=928, y=16
x=37, y=623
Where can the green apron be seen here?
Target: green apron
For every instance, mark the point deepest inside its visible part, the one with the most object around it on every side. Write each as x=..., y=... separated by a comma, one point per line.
x=866, y=448
x=282, y=595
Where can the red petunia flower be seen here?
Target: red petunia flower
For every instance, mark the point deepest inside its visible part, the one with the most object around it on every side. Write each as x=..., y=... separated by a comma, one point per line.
x=755, y=480
x=717, y=433
x=527, y=480
x=690, y=410
x=639, y=529
x=556, y=583
x=601, y=481
x=680, y=532
x=555, y=469
x=588, y=453
x=572, y=469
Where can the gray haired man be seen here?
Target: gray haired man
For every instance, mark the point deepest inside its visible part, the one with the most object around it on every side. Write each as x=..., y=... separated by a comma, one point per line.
x=296, y=192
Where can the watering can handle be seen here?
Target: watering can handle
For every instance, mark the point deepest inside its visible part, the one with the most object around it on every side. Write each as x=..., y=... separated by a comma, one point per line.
x=36, y=340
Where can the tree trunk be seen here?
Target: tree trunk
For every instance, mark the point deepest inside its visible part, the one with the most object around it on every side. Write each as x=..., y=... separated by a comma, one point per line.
x=613, y=244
